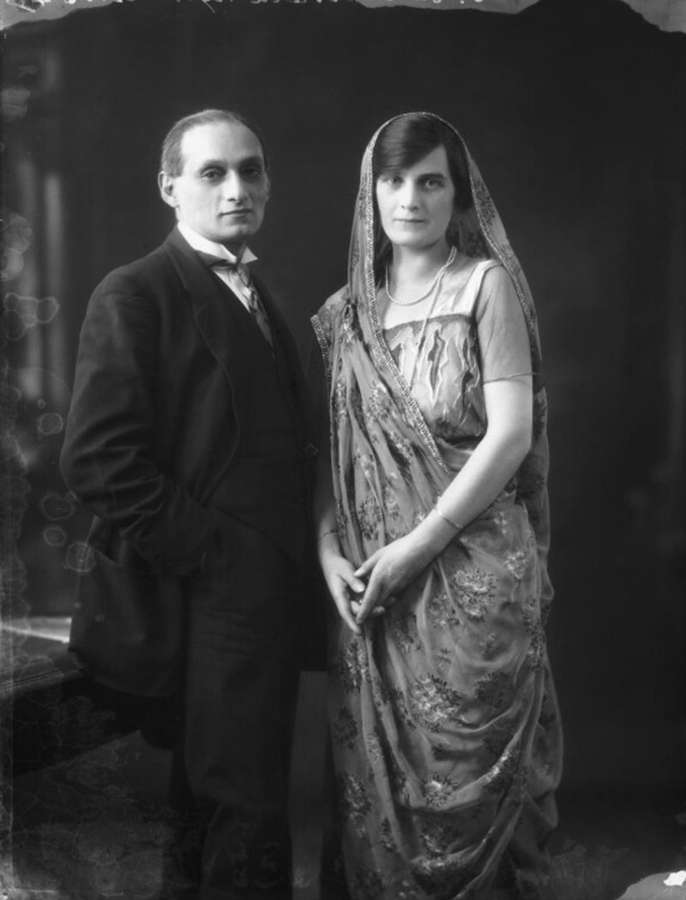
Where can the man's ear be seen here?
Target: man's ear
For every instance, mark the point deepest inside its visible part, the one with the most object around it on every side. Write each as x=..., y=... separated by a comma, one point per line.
x=165, y=183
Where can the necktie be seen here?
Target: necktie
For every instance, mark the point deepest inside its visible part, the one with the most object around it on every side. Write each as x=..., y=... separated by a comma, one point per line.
x=246, y=289
x=254, y=303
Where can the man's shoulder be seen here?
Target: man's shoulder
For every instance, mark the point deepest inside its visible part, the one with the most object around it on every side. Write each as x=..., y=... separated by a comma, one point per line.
x=145, y=274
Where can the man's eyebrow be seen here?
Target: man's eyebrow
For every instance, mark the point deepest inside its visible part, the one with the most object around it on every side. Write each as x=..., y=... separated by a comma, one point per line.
x=252, y=161
x=221, y=164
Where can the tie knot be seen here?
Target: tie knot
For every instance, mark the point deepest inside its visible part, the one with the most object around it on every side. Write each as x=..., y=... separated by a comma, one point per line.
x=244, y=274
x=216, y=262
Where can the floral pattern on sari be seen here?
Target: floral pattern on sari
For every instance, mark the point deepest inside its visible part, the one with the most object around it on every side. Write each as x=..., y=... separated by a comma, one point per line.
x=443, y=713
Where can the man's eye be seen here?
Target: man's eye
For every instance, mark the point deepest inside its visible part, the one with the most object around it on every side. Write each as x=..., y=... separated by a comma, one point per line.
x=253, y=173
x=211, y=175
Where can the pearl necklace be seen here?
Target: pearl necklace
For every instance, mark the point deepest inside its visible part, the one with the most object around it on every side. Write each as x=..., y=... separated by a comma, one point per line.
x=434, y=281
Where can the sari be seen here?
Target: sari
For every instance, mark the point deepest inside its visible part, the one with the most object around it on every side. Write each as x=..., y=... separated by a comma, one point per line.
x=445, y=732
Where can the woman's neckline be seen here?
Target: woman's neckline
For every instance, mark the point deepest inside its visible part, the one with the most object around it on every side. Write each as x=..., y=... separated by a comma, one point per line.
x=419, y=322
x=419, y=313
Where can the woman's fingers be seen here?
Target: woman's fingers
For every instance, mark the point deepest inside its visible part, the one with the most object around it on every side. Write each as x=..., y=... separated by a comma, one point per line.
x=342, y=581
x=343, y=605
x=353, y=582
x=347, y=616
x=367, y=600
x=342, y=568
x=367, y=565
x=376, y=611
x=372, y=598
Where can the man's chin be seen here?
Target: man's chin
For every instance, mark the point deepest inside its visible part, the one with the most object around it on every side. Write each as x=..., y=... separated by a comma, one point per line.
x=235, y=236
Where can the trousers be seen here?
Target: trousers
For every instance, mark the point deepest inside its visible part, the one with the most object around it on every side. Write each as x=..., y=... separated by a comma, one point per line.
x=230, y=776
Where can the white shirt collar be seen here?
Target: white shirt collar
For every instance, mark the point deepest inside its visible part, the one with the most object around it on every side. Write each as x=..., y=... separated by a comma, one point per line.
x=198, y=242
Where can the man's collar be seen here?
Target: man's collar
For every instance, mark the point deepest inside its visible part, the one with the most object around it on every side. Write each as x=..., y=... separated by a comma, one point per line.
x=204, y=245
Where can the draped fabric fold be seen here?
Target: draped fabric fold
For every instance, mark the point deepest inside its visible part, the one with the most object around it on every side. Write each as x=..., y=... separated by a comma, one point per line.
x=443, y=714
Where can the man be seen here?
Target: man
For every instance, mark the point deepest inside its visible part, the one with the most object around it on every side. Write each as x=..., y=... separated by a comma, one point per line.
x=187, y=440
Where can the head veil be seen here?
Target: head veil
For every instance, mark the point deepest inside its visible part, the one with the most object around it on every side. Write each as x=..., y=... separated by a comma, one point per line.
x=352, y=312
x=480, y=229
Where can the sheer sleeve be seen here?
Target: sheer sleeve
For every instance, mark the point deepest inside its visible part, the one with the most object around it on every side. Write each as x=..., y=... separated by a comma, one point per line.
x=501, y=328
x=326, y=323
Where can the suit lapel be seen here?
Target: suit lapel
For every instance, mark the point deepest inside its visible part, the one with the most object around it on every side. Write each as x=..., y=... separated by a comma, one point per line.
x=221, y=319
x=288, y=364
x=280, y=335
x=212, y=309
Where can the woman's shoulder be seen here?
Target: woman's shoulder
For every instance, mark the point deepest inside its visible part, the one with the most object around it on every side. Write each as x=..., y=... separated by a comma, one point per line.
x=325, y=320
x=463, y=282
x=337, y=300
x=457, y=285
x=334, y=305
x=468, y=268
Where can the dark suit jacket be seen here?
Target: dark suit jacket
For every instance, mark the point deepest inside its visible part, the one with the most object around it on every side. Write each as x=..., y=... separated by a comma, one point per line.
x=154, y=428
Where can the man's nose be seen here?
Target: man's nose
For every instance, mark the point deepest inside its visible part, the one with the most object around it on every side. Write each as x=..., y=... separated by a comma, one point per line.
x=234, y=187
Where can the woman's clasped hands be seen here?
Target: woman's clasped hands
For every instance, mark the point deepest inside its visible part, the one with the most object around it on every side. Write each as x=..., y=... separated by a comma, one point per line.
x=373, y=586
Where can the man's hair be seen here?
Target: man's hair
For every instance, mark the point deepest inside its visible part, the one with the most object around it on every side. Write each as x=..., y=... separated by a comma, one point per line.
x=171, y=161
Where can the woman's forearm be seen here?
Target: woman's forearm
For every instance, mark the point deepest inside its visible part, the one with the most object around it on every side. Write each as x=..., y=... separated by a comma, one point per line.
x=492, y=464
x=474, y=488
x=325, y=510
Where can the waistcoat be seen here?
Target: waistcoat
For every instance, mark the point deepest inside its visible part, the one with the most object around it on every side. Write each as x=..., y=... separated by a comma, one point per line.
x=266, y=483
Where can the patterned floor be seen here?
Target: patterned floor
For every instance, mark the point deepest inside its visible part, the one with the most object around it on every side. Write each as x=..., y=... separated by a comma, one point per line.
x=94, y=828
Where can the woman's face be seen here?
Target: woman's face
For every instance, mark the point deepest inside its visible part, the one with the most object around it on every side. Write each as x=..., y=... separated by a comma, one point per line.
x=416, y=204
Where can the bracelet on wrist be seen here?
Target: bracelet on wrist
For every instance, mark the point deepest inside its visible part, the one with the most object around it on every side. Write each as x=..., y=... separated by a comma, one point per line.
x=324, y=534
x=446, y=518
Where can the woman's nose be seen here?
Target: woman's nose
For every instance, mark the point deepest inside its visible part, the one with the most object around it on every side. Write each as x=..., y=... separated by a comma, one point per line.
x=408, y=196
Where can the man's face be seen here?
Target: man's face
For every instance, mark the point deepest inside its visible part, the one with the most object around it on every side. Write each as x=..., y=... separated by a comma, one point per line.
x=223, y=187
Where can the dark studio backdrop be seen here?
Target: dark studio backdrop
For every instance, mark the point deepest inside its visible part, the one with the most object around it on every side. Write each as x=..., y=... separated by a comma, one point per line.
x=575, y=111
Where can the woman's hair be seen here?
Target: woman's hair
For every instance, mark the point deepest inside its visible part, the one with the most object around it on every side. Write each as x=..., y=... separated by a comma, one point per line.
x=401, y=144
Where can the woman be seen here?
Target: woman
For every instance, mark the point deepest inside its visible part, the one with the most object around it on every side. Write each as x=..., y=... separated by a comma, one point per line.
x=433, y=535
